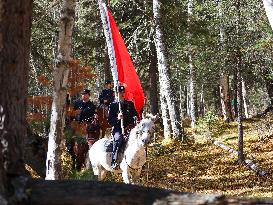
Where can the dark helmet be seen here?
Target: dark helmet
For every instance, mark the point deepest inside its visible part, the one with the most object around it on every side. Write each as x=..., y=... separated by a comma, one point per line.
x=108, y=82
x=85, y=91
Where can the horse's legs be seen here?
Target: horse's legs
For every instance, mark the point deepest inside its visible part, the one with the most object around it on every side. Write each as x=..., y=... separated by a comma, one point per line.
x=102, y=174
x=125, y=174
x=136, y=176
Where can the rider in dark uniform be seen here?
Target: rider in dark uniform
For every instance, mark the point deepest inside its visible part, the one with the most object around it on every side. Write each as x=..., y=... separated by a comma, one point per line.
x=86, y=109
x=129, y=114
x=107, y=95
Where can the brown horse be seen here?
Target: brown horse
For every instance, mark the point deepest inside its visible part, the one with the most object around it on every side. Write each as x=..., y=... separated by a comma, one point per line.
x=102, y=111
x=90, y=134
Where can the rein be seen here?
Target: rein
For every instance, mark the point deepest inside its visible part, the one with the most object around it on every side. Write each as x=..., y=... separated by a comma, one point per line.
x=129, y=165
x=137, y=133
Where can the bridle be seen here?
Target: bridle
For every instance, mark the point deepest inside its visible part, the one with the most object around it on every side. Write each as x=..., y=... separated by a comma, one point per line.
x=139, y=133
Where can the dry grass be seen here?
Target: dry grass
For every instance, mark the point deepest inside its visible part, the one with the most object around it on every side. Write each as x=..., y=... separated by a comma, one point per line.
x=200, y=166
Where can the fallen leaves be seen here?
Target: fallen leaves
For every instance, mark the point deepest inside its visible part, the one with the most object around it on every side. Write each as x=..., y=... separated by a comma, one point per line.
x=205, y=168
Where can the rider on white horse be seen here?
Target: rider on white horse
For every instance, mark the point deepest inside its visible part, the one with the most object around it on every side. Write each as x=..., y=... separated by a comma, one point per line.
x=128, y=114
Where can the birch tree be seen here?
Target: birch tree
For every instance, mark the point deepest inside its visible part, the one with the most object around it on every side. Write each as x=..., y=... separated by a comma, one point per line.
x=193, y=107
x=244, y=97
x=60, y=78
x=268, y=5
x=163, y=74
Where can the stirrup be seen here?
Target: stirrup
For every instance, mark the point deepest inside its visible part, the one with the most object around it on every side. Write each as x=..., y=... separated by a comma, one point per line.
x=114, y=165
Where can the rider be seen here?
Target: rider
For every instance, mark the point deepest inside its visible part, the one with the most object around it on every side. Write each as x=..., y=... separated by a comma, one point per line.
x=107, y=95
x=128, y=114
x=85, y=108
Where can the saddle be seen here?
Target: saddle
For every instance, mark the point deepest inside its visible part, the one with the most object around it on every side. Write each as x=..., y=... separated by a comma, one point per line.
x=108, y=146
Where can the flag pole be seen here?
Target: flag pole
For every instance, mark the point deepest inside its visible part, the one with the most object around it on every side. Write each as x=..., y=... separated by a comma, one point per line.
x=111, y=51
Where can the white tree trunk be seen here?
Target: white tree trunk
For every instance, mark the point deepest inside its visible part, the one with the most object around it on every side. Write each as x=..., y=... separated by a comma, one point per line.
x=224, y=78
x=224, y=95
x=192, y=69
x=165, y=117
x=244, y=95
x=268, y=5
x=192, y=92
x=202, y=102
x=188, y=100
x=163, y=74
x=60, y=78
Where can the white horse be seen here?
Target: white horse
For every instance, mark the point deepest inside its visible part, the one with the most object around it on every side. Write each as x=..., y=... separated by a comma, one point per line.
x=133, y=157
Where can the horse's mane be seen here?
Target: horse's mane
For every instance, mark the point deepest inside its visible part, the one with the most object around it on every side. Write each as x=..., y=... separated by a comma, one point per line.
x=133, y=133
x=132, y=136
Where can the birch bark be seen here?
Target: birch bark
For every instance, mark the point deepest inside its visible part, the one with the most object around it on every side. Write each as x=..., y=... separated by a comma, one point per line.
x=163, y=75
x=224, y=95
x=193, y=107
x=60, y=78
x=268, y=5
x=244, y=96
x=165, y=117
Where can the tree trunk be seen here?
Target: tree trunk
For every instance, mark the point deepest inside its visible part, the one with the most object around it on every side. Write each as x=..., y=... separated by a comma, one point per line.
x=165, y=117
x=202, y=102
x=15, y=24
x=153, y=77
x=163, y=74
x=192, y=92
x=268, y=5
x=244, y=96
x=188, y=100
x=239, y=87
x=224, y=77
x=224, y=95
x=60, y=78
x=193, y=99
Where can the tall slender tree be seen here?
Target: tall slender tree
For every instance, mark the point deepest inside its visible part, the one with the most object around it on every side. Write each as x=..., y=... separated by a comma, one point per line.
x=153, y=76
x=163, y=74
x=239, y=84
x=60, y=78
x=193, y=100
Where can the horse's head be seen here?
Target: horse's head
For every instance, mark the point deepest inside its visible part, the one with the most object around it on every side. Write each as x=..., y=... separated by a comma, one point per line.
x=145, y=128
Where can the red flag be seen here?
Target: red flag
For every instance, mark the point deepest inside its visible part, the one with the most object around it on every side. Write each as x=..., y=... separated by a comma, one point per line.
x=126, y=71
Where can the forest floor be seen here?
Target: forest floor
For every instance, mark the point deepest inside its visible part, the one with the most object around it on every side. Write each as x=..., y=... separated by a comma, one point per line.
x=197, y=165
x=200, y=166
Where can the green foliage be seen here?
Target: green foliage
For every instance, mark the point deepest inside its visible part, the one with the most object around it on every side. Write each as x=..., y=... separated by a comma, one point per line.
x=85, y=174
x=209, y=121
x=210, y=126
x=135, y=21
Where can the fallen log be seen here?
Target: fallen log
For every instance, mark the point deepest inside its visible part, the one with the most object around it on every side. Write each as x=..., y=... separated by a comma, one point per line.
x=41, y=192
x=249, y=163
